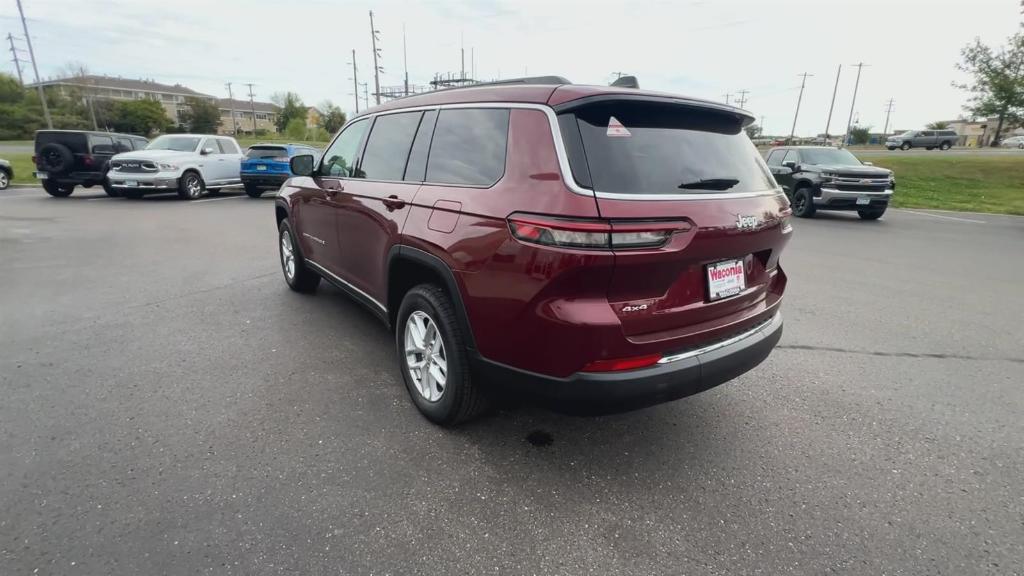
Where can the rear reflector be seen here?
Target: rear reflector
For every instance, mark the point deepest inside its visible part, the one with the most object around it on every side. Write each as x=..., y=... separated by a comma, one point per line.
x=617, y=364
x=593, y=233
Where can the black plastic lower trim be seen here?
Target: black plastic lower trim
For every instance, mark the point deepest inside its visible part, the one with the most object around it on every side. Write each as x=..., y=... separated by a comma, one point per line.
x=605, y=393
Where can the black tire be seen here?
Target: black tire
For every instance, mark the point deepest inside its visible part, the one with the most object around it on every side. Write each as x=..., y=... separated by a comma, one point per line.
x=945, y=146
x=55, y=159
x=253, y=191
x=301, y=278
x=803, y=202
x=929, y=147
x=110, y=190
x=5, y=179
x=871, y=213
x=1020, y=146
x=191, y=186
x=58, y=190
x=460, y=399
x=891, y=147
x=906, y=146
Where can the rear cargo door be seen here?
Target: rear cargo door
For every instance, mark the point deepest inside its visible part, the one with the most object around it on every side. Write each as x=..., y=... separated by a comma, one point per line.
x=652, y=162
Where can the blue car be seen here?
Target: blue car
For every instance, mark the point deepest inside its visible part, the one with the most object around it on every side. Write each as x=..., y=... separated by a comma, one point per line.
x=267, y=166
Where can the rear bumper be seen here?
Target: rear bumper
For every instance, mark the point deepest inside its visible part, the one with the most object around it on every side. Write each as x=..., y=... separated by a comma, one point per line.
x=675, y=377
x=70, y=177
x=263, y=180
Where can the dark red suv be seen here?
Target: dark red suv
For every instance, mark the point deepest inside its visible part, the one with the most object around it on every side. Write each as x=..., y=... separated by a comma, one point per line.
x=605, y=248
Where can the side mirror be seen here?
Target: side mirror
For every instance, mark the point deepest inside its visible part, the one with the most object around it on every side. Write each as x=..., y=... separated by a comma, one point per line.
x=791, y=164
x=206, y=151
x=302, y=165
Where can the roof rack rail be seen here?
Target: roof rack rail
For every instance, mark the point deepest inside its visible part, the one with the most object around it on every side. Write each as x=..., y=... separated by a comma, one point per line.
x=524, y=80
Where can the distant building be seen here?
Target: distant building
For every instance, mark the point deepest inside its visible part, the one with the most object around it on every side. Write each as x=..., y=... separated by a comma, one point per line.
x=266, y=116
x=172, y=97
x=981, y=132
x=313, y=115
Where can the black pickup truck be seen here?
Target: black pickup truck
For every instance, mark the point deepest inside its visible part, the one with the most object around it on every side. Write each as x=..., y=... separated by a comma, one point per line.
x=823, y=178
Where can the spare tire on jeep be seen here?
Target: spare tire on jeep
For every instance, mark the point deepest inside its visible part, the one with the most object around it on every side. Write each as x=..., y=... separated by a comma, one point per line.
x=56, y=159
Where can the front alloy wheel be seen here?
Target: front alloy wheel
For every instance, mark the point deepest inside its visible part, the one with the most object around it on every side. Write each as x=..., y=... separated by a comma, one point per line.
x=425, y=356
x=191, y=186
x=4, y=180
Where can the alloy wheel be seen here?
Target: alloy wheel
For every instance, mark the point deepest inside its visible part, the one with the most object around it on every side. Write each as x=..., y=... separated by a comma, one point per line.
x=425, y=356
x=3, y=180
x=287, y=255
x=193, y=186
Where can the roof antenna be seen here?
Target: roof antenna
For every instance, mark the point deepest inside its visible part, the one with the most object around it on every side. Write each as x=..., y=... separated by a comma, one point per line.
x=626, y=82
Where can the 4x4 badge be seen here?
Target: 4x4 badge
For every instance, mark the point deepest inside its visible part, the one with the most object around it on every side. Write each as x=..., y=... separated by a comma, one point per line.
x=747, y=222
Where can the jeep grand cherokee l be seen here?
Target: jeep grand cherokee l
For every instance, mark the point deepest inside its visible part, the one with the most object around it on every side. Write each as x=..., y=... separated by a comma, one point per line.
x=604, y=248
x=819, y=178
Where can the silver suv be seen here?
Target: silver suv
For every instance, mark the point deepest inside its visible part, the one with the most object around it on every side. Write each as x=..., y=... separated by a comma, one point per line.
x=927, y=139
x=189, y=164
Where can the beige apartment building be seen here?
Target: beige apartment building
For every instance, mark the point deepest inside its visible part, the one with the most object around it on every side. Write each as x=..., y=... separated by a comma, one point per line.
x=172, y=97
x=248, y=117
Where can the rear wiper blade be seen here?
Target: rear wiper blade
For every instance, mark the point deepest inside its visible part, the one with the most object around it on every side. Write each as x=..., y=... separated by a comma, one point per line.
x=710, y=184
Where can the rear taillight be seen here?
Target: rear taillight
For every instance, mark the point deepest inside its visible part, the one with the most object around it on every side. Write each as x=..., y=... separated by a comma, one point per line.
x=87, y=160
x=617, y=364
x=593, y=234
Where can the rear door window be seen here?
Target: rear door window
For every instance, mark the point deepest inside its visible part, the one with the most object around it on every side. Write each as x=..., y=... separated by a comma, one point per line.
x=387, y=148
x=340, y=159
x=99, y=144
x=468, y=147
x=653, y=148
x=139, y=143
x=124, y=144
x=227, y=146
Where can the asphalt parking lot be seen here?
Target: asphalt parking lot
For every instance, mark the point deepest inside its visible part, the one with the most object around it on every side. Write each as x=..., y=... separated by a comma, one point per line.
x=167, y=405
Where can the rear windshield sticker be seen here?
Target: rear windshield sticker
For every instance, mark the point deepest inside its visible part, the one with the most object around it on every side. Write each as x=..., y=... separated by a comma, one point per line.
x=616, y=129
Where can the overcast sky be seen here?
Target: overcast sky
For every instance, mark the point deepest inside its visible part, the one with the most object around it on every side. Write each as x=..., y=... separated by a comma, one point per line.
x=703, y=48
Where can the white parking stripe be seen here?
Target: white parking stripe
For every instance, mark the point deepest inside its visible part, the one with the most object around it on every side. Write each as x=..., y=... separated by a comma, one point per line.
x=216, y=199
x=941, y=216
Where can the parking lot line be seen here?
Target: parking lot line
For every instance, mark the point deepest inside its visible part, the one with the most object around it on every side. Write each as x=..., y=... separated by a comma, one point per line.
x=216, y=199
x=941, y=216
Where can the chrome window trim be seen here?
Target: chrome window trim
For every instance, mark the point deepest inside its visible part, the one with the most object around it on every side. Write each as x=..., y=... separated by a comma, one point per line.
x=563, y=157
x=323, y=270
x=723, y=343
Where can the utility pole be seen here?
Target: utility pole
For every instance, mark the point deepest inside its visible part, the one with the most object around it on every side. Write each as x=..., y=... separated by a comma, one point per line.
x=888, y=112
x=376, y=54
x=405, y=61
x=231, y=103
x=355, y=80
x=618, y=74
x=853, y=102
x=828, y=123
x=15, y=59
x=35, y=69
x=803, y=82
x=252, y=108
x=726, y=98
x=462, y=55
x=743, y=97
x=366, y=93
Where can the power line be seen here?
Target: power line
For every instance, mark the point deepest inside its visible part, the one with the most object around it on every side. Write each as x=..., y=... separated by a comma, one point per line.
x=35, y=68
x=355, y=80
x=727, y=98
x=888, y=112
x=15, y=59
x=376, y=54
x=828, y=123
x=803, y=82
x=743, y=97
x=231, y=98
x=853, y=102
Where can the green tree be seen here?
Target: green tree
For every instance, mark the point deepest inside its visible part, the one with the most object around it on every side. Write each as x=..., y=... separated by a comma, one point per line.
x=997, y=81
x=331, y=118
x=201, y=115
x=296, y=129
x=938, y=125
x=138, y=117
x=10, y=91
x=753, y=131
x=291, y=108
x=860, y=134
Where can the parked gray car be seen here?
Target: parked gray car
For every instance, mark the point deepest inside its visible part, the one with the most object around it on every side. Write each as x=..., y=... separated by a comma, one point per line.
x=927, y=139
x=6, y=174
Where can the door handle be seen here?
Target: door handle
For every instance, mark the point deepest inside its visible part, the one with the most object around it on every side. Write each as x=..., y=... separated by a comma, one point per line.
x=332, y=187
x=393, y=202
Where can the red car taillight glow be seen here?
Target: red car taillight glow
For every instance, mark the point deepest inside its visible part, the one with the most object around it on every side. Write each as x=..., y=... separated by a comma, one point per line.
x=616, y=364
x=593, y=234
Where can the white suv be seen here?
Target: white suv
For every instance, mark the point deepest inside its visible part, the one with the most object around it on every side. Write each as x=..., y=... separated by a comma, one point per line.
x=189, y=164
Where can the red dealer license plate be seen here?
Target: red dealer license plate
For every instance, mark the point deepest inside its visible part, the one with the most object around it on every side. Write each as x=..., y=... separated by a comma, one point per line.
x=725, y=279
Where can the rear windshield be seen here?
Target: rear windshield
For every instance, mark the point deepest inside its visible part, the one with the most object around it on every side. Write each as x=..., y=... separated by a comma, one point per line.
x=655, y=148
x=269, y=152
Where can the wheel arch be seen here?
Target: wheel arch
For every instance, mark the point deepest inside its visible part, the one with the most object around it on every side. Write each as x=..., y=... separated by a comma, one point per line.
x=408, y=267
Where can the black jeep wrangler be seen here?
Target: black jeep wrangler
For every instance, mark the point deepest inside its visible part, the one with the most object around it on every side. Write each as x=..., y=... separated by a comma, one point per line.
x=68, y=158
